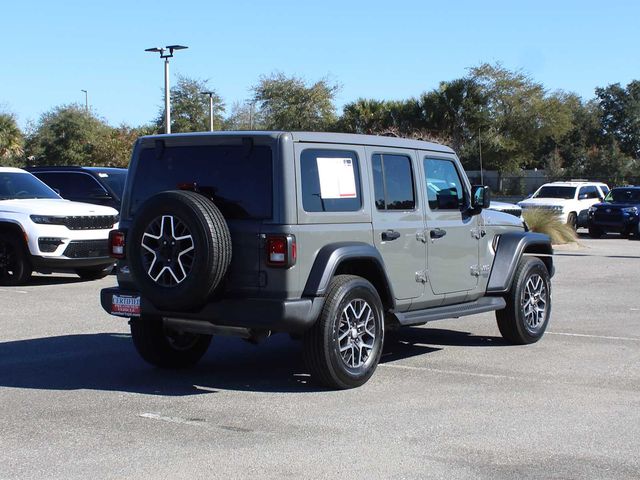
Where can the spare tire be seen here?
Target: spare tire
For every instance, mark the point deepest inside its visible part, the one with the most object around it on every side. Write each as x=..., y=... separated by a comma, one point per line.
x=179, y=249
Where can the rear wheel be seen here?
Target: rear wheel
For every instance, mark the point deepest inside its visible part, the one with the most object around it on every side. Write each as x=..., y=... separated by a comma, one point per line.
x=343, y=348
x=164, y=347
x=15, y=268
x=525, y=318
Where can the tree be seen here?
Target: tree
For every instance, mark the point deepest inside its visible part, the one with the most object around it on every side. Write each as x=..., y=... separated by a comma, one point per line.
x=114, y=148
x=190, y=108
x=66, y=135
x=288, y=103
x=620, y=115
x=521, y=118
x=456, y=111
x=244, y=116
x=11, y=140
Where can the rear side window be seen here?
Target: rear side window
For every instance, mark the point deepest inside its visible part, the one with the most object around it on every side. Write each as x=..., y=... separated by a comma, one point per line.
x=393, y=182
x=330, y=181
x=445, y=190
x=239, y=181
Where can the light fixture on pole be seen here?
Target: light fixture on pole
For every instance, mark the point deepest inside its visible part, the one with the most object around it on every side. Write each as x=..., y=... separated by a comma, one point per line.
x=86, y=100
x=166, y=56
x=211, y=94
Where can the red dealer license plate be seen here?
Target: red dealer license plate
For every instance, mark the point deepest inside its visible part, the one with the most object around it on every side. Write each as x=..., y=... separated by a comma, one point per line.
x=125, y=305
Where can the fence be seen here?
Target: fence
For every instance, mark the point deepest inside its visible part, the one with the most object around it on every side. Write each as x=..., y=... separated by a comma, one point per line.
x=517, y=187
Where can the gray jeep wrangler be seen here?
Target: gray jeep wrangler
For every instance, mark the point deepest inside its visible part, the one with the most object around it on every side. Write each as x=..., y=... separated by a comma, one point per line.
x=333, y=238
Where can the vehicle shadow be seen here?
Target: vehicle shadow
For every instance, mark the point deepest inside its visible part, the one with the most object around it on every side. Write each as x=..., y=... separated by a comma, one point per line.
x=45, y=280
x=108, y=361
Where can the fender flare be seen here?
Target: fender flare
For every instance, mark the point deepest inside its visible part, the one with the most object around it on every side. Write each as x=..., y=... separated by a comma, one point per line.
x=331, y=256
x=509, y=250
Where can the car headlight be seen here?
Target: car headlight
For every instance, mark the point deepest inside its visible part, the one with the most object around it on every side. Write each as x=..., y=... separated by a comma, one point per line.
x=47, y=220
x=630, y=210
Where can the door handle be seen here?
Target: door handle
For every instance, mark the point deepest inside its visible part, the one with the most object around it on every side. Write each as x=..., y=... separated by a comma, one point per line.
x=437, y=233
x=389, y=235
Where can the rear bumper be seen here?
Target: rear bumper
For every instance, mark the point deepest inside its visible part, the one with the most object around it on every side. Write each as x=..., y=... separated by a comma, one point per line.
x=62, y=264
x=292, y=316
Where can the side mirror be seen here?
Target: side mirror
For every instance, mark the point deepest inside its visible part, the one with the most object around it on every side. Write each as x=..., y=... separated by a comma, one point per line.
x=583, y=196
x=480, y=198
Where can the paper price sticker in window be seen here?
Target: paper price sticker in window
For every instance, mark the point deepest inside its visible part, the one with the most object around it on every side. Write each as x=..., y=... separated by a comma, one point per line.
x=337, y=178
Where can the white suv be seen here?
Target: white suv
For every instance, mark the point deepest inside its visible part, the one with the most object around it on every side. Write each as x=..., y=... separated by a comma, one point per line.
x=41, y=231
x=570, y=200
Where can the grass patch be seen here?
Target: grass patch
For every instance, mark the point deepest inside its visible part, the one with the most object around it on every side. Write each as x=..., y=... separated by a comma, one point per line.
x=547, y=222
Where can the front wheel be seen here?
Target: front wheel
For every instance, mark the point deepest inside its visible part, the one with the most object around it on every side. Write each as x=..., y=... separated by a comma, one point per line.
x=15, y=268
x=572, y=221
x=343, y=348
x=528, y=309
x=164, y=347
x=595, y=232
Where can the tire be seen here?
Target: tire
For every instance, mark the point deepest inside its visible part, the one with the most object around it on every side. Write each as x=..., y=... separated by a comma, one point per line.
x=164, y=347
x=516, y=326
x=15, y=268
x=93, y=273
x=572, y=221
x=595, y=232
x=179, y=249
x=349, y=299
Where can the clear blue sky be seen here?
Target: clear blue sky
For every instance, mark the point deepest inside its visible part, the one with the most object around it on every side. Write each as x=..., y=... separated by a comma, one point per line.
x=374, y=49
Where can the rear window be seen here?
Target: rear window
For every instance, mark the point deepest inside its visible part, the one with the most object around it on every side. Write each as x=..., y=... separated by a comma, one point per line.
x=238, y=181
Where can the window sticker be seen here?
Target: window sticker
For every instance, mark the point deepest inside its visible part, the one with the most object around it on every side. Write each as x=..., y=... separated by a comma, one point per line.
x=337, y=178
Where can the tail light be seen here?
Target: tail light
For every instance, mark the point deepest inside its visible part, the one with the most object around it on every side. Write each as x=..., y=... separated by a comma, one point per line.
x=116, y=243
x=281, y=250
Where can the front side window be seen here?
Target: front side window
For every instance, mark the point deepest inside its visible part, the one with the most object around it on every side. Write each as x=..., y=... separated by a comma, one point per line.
x=393, y=182
x=588, y=192
x=72, y=185
x=330, y=181
x=445, y=190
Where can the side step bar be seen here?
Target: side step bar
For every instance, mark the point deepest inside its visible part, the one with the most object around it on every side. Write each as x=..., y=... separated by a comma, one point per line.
x=418, y=317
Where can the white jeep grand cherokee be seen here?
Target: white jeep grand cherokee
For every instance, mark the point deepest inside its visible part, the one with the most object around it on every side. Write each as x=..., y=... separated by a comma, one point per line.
x=41, y=231
x=570, y=200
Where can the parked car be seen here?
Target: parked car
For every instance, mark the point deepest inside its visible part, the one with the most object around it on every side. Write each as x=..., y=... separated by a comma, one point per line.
x=97, y=185
x=505, y=207
x=43, y=232
x=331, y=237
x=570, y=200
x=619, y=212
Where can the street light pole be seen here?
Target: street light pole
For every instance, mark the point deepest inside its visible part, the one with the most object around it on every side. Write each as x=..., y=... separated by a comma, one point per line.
x=86, y=100
x=210, y=109
x=167, y=91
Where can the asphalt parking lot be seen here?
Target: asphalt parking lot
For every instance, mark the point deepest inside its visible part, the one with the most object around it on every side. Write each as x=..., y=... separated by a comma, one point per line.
x=449, y=400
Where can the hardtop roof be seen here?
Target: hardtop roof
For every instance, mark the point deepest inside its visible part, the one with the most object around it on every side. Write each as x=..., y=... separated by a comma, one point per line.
x=321, y=137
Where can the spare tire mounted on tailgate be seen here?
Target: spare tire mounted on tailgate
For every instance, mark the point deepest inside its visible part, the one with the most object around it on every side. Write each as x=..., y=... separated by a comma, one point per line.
x=179, y=249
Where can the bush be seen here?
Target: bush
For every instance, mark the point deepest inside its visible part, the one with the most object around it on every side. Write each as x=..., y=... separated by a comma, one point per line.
x=547, y=222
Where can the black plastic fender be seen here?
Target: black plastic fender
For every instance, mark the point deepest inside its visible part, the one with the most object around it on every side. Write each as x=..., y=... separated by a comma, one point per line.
x=511, y=246
x=330, y=257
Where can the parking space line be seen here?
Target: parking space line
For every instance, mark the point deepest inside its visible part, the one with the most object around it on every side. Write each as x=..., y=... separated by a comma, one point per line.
x=604, y=337
x=449, y=372
x=182, y=421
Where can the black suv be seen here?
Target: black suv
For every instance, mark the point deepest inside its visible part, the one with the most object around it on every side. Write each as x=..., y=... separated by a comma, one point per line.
x=97, y=185
x=619, y=212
